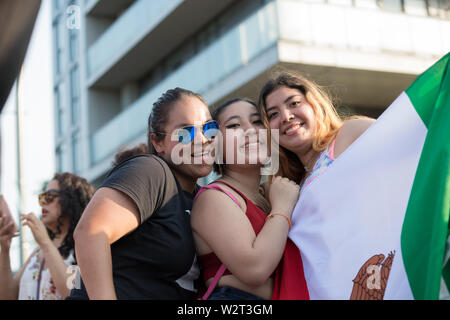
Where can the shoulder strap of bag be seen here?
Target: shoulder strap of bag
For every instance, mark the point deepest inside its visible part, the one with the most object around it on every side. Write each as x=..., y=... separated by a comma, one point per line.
x=40, y=278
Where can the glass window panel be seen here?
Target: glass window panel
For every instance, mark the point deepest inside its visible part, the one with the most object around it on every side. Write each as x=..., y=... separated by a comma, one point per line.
x=76, y=153
x=59, y=110
x=59, y=38
x=65, y=167
x=73, y=44
x=391, y=5
x=439, y=8
x=416, y=7
x=341, y=2
x=366, y=4
x=74, y=81
x=59, y=160
x=75, y=111
x=57, y=48
x=75, y=95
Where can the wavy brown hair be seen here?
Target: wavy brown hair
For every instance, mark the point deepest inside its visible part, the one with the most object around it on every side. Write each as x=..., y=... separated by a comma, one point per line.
x=328, y=122
x=124, y=154
x=74, y=195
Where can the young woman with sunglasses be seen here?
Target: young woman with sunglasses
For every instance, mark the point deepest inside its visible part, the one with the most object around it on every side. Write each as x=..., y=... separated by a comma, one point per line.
x=44, y=276
x=241, y=238
x=135, y=240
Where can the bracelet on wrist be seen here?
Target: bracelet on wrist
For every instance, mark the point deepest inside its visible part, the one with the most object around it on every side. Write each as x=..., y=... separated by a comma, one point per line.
x=282, y=215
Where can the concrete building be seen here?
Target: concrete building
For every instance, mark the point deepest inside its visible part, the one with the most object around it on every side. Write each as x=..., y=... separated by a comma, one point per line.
x=114, y=58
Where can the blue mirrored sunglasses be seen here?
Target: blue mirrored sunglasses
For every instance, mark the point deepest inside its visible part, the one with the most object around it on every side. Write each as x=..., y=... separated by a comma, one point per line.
x=187, y=134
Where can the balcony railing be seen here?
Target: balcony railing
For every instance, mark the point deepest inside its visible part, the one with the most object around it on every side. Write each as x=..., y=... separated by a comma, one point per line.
x=129, y=28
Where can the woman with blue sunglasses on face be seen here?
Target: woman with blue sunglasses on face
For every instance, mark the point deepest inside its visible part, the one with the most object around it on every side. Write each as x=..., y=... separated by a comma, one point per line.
x=134, y=240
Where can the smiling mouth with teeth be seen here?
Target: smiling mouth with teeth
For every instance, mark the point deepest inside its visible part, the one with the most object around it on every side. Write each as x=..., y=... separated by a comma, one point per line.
x=294, y=127
x=250, y=145
x=201, y=154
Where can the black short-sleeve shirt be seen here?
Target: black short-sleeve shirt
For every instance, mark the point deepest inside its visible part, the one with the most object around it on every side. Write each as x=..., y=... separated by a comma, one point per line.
x=157, y=260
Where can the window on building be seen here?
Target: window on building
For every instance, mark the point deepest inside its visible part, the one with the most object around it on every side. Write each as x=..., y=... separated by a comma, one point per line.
x=59, y=159
x=415, y=7
x=391, y=5
x=58, y=4
x=341, y=2
x=75, y=95
x=439, y=9
x=58, y=49
x=59, y=111
x=76, y=153
x=73, y=44
x=366, y=4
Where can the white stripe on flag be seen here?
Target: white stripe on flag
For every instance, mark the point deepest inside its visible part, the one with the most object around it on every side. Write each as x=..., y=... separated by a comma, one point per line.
x=356, y=208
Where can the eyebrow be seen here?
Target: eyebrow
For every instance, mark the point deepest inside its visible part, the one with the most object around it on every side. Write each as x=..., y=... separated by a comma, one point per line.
x=185, y=124
x=231, y=118
x=287, y=99
x=239, y=117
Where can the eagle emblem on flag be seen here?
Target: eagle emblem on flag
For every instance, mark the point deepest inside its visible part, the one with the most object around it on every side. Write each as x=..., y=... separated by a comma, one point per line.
x=371, y=280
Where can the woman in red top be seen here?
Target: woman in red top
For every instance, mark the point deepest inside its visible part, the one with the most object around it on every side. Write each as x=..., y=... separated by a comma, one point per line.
x=236, y=227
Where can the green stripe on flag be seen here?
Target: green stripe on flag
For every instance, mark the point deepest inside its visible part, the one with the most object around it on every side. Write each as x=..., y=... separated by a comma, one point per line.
x=425, y=227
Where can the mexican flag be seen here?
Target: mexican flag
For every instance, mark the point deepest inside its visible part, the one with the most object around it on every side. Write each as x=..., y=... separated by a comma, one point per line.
x=374, y=225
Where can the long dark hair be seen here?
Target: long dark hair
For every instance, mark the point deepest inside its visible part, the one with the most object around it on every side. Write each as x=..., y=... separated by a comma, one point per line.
x=159, y=116
x=74, y=195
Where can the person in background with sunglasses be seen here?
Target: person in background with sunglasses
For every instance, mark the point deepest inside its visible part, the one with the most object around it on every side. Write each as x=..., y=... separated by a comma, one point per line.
x=44, y=275
x=134, y=240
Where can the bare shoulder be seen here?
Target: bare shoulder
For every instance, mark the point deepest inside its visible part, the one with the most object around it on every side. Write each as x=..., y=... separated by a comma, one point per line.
x=350, y=131
x=109, y=211
x=212, y=201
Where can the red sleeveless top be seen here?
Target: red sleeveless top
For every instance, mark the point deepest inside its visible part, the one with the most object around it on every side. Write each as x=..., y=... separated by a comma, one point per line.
x=289, y=278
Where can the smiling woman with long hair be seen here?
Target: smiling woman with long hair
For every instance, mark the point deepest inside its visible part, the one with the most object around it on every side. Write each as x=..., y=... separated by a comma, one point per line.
x=44, y=275
x=311, y=133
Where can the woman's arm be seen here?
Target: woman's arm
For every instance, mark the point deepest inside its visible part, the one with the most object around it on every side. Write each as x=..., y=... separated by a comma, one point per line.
x=228, y=232
x=9, y=288
x=109, y=216
x=9, y=283
x=58, y=268
x=53, y=259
